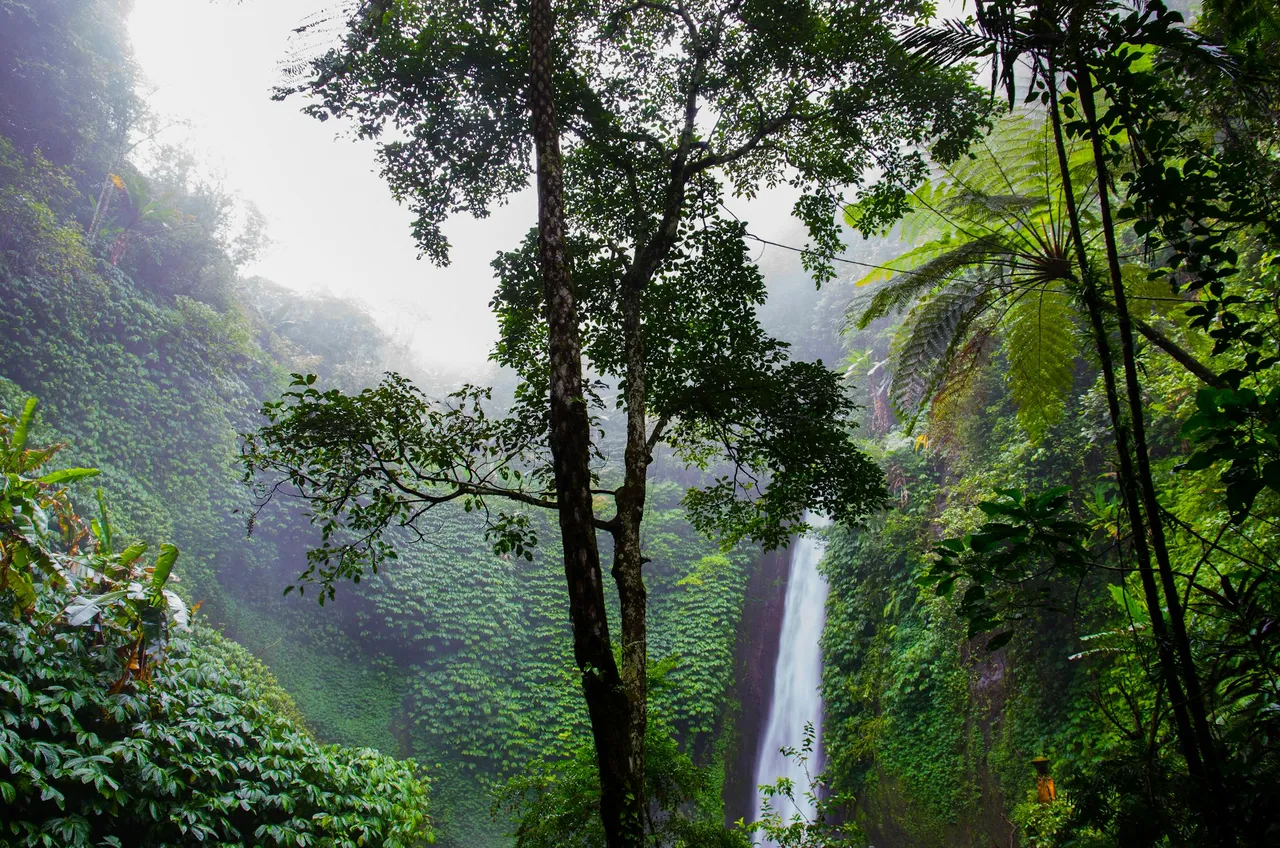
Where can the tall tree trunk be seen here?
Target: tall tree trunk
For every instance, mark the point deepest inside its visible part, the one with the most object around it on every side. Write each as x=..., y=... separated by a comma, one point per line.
x=1150, y=501
x=609, y=708
x=1128, y=485
x=628, y=556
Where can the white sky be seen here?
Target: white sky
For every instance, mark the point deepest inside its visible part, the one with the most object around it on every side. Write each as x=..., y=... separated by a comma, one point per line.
x=333, y=224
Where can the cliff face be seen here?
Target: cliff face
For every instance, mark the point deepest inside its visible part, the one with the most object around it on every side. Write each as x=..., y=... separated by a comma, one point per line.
x=930, y=732
x=897, y=810
x=756, y=654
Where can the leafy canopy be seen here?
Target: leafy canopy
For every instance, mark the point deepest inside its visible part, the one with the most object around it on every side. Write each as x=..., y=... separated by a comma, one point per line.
x=663, y=109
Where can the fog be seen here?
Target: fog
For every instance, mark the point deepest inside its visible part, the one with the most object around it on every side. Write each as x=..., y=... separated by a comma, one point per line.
x=333, y=224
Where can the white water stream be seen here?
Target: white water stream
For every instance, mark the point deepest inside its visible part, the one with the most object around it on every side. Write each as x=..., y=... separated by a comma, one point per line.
x=798, y=675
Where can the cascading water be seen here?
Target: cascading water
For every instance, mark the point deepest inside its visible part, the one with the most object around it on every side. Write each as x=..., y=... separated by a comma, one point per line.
x=798, y=675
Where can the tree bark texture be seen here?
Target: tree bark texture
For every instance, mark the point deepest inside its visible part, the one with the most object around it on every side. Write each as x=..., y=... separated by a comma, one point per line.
x=608, y=705
x=628, y=556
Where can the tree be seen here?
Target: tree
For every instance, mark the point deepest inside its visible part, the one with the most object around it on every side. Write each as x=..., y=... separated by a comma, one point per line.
x=1114, y=62
x=991, y=259
x=662, y=109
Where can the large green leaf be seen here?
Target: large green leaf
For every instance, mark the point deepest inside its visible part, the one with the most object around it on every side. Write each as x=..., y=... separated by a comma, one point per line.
x=68, y=475
x=83, y=609
x=23, y=428
x=164, y=565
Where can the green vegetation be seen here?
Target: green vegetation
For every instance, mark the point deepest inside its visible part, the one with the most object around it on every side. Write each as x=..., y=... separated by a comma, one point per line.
x=1066, y=347
x=1104, y=507
x=150, y=353
x=121, y=723
x=635, y=275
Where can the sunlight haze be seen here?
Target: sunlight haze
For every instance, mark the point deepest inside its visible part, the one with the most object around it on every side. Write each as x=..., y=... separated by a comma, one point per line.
x=333, y=224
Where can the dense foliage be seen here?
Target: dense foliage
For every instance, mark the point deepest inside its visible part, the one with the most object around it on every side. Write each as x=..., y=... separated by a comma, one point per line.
x=635, y=274
x=151, y=349
x=1096, y=284
x=119, y=722
x=1103, y=591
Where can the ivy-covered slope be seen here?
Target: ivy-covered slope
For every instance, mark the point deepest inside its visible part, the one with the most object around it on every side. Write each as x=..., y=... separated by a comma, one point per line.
x=462, y=658
x=932, y=733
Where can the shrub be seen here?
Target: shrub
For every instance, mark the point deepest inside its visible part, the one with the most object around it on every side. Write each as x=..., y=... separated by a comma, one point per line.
x=120, y=723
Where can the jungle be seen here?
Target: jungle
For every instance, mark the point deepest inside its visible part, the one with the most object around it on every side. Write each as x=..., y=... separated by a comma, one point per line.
x=672, y=423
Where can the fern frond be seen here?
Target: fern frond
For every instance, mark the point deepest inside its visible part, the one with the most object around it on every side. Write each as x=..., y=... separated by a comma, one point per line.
x=926, y=342
x=1040, y=346
x=912, y=283
x=979, y=206
x=958, y=394
x=906, y=263
x=952, y=41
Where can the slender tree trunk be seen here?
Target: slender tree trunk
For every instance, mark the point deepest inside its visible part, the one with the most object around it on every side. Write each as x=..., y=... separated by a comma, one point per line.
x=629, y=559
x=628, y=555
x=621, y=795
x=1150, y=501
x=1128, y=485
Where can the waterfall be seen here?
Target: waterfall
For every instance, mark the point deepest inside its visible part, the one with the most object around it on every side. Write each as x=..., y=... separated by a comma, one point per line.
x=798, y=674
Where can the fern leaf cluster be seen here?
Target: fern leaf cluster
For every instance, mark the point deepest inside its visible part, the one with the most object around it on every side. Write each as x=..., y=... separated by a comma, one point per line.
x=989, y=236
x=915, y=281
x=1040, y=348
x=924, y=347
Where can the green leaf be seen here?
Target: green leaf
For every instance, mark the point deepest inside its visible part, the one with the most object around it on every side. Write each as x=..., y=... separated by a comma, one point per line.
x=164, y=565
x=68, y=475
x=82, y=610
x=22, y=586
x=130, y=554
x=102, y=525
x=23, y=428
x=1041, y=350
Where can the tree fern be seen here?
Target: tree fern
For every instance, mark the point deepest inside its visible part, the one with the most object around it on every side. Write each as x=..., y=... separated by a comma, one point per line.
x=1040, y=346
x=988, y=230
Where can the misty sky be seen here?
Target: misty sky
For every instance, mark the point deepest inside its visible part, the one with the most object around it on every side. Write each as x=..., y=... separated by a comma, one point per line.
x=333, y=224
